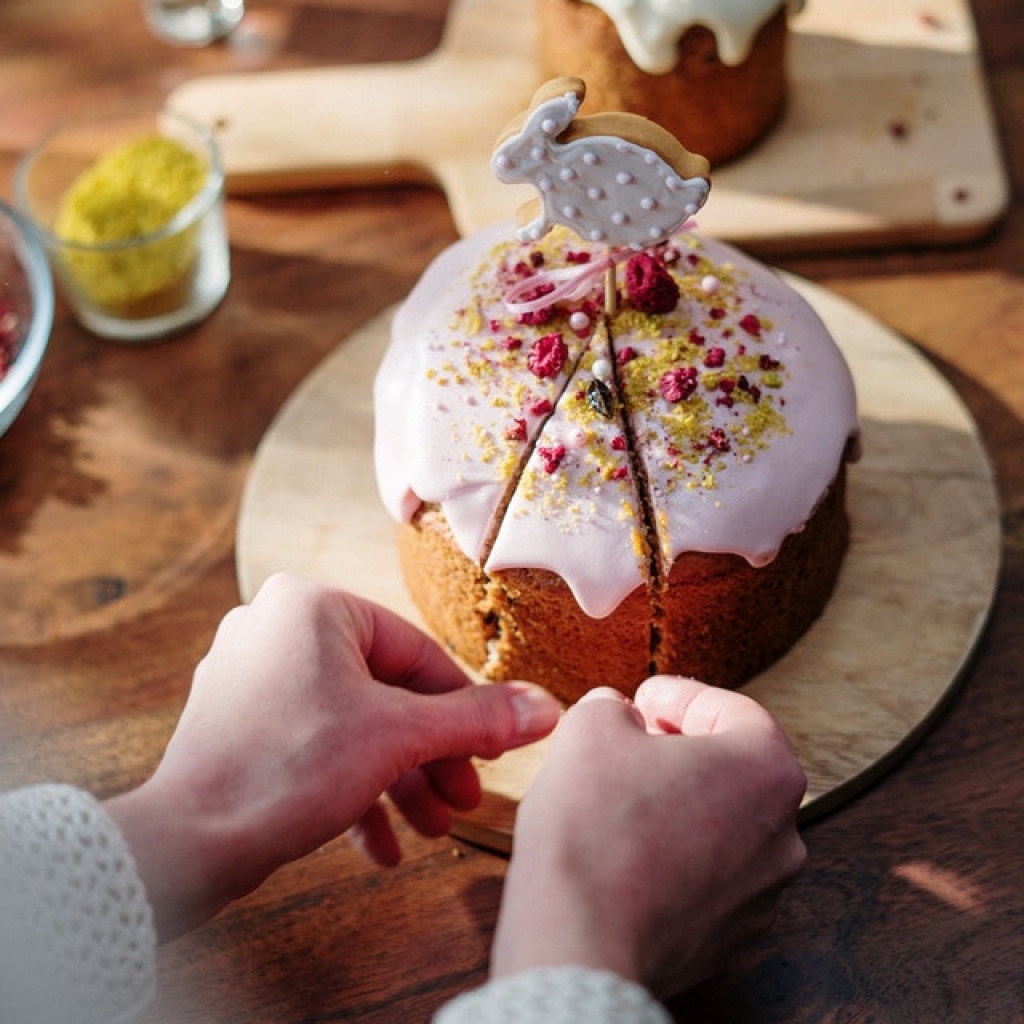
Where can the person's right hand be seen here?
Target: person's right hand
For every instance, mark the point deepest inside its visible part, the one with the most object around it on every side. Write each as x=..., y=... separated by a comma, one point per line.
x=656, y=837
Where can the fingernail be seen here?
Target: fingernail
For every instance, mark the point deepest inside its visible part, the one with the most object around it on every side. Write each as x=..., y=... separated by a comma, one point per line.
x=535, y=709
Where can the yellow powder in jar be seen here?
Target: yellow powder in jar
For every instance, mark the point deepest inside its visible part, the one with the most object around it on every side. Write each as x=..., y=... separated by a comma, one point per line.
x=132, y=192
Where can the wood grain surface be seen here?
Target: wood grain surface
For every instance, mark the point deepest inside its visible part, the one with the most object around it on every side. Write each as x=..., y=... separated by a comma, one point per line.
x=120, y=487
x=863, y=155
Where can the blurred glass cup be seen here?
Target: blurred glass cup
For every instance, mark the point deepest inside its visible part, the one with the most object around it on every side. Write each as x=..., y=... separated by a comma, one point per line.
x=142, y=284
x=192, y=22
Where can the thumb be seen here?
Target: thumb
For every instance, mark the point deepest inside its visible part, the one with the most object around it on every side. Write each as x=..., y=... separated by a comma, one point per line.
x=479, y=721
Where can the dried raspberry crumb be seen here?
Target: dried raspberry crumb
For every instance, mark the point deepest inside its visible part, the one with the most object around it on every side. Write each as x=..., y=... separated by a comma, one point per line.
x=516, y=430
x=625, y=355
x=678, y=383
x=539, y=407
x=650, y=287
x=511, y=343
x=551, y=456
x=715, y=357
x=719, y=440
x=536, y=259
x=618, y=473
x=695, y=337
x=575, y=256
x=547, y=356
x=751, y=324
x=766, y=362
x=618, y=443
x=716, y=313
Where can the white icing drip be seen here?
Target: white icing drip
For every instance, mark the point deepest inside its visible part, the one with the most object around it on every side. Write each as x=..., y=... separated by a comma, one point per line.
x=651, y=29
x=746, y=499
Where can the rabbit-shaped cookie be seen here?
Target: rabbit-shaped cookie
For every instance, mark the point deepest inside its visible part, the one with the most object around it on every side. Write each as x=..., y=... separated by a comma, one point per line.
x=616, y=178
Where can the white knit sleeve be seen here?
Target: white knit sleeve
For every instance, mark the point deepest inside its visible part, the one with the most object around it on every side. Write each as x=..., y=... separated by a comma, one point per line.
x=77, y=940
x=556, y=995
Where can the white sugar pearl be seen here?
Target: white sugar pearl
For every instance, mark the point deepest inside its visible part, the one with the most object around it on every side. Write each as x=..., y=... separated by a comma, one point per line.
x=709, y=285
x=577, y=438
x=579, y=321
x=603, y=370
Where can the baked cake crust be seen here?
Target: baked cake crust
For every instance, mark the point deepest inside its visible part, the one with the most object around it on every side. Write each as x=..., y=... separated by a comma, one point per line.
x=587, y=498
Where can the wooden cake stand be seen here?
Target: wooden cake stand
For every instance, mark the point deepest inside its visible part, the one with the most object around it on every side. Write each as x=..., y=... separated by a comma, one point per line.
x=888, y=136
x=861, y=687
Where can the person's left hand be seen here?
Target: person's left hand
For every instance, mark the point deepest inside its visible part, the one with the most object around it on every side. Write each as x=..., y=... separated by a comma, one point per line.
x=311, y=704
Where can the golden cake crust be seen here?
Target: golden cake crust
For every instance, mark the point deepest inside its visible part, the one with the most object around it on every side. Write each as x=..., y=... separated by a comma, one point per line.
x=718, y=618
x=715, y=109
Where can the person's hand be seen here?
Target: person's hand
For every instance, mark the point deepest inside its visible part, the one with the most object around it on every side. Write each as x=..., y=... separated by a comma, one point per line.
x=311, y=704
x=656, y=837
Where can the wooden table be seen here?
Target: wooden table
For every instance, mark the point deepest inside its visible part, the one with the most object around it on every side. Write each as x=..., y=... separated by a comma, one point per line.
x=119, y=491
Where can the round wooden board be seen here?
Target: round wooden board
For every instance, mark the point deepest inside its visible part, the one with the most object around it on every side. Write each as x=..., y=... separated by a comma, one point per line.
x=861, y=687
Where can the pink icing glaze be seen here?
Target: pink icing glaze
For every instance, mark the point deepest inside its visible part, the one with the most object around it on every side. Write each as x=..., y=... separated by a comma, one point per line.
x=736, y=465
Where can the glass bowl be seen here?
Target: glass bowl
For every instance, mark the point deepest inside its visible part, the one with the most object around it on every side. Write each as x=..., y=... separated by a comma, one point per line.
x=26, y=312
x=129, y=204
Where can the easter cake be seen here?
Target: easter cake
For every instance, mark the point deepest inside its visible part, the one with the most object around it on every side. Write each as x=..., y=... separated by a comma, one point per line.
x=608, y=460
x=713, y=72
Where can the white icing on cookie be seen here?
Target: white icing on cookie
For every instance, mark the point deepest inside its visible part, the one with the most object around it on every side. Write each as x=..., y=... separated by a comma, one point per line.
x=609, y=189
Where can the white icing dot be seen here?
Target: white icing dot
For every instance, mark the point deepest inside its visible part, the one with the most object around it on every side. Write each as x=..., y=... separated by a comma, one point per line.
x=650, y=158
x=502, y=162
x=619, y=218
x=595, y=193
x=579, y=321
x=544, y=183
x=597, y=235
x=672, y=183
x=710, y=284
x=590, y=158
x=567, y=174
x=624, y=178
x=648, y=203
x=656, y=232
x=691, y=208
x=569, y=211
x=549, y=126
x=537, y=152
x=602, y=370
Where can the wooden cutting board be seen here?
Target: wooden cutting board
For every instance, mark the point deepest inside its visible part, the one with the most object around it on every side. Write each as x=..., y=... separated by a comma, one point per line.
x=888, y=138
x=854, y=695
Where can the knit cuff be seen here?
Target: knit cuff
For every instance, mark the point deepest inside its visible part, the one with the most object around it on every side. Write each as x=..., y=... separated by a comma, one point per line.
x=77, y=939
x=556, y=995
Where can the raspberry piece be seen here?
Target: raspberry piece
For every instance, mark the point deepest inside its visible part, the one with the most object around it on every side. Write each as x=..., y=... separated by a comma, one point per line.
x=678, y=383
x=547, y=356
x=752, y=325
x=649, y=285
x=551, y=456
